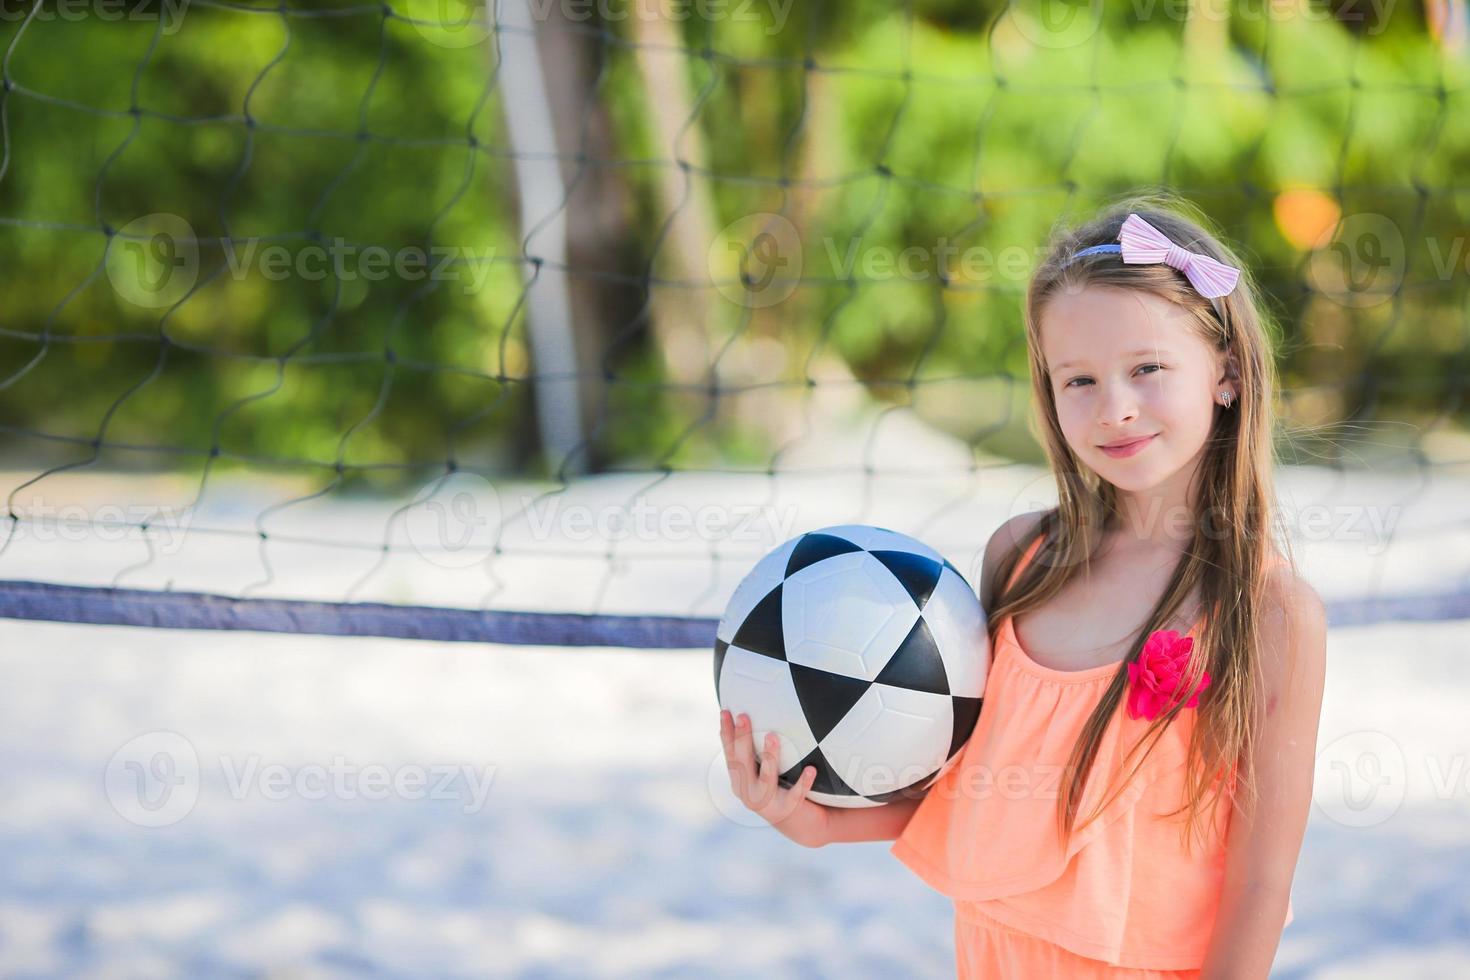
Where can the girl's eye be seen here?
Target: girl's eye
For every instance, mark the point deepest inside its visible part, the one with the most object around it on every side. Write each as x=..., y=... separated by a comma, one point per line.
x=1085, y=378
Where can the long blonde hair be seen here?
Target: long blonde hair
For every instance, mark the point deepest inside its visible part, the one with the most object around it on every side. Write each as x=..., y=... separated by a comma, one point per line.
x=1232, y=503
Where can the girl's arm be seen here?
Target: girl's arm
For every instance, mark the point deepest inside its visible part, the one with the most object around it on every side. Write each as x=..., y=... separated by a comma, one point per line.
x=884, y=822
x=1261, y=850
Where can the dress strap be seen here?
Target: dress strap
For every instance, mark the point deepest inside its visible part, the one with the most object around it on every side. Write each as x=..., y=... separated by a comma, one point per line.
x=1023, y=561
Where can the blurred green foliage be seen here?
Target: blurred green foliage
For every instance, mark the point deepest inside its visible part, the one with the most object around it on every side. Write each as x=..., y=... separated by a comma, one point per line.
x=962, y=133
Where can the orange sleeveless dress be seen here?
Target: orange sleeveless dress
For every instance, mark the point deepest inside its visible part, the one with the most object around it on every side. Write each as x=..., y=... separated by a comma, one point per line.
x=1124, y=898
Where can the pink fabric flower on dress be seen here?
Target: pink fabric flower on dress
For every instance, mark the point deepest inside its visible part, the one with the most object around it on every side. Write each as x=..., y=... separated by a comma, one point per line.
x=1154, y=679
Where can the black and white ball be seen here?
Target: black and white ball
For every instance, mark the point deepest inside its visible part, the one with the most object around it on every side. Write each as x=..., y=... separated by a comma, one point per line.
x=865, y=651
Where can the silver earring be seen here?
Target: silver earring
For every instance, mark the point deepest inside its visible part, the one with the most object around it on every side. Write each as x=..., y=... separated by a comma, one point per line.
x=1226, y=398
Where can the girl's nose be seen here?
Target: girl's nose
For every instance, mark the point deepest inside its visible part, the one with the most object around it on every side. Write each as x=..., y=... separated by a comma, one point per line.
x=1117, y=406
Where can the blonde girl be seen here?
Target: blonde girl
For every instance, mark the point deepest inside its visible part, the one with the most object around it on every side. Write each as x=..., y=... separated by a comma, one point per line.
x=1134, y=797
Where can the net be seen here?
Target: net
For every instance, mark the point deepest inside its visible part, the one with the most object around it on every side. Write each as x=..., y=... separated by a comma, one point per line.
x=541, y=323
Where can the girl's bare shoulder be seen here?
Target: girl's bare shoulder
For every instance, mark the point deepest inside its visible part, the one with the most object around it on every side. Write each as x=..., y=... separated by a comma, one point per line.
x=1005, y=539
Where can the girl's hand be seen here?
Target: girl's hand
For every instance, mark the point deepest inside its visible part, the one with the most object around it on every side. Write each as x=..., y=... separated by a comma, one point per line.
x=785, y=808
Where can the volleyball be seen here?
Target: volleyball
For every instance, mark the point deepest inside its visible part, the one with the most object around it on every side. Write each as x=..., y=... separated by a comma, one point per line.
x=865, y=651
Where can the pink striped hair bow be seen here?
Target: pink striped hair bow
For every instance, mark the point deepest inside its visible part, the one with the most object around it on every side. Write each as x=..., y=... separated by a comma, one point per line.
x=1143, y=244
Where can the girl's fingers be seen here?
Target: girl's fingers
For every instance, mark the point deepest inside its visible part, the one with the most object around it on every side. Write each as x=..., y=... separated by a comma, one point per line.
x=804, y=784
x=756, y=780
x=792, y=798
x=755, y=775
x=743, y=757
x=777, y=801
x=769, y=756
x=727, y=736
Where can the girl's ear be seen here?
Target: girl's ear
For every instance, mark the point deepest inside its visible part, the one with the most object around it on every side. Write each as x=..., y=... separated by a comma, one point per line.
x=1228, y=379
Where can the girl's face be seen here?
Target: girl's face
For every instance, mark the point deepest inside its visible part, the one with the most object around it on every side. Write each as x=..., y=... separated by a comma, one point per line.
x=1126, y=364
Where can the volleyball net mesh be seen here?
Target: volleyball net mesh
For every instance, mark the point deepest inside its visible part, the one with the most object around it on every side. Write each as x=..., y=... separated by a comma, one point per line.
x=542, y=322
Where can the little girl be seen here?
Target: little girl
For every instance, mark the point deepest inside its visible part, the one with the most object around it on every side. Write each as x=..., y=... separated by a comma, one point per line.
x=1133, y=799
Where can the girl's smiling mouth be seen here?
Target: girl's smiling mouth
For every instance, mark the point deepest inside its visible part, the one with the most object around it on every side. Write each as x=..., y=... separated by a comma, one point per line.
x=1127, y=447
